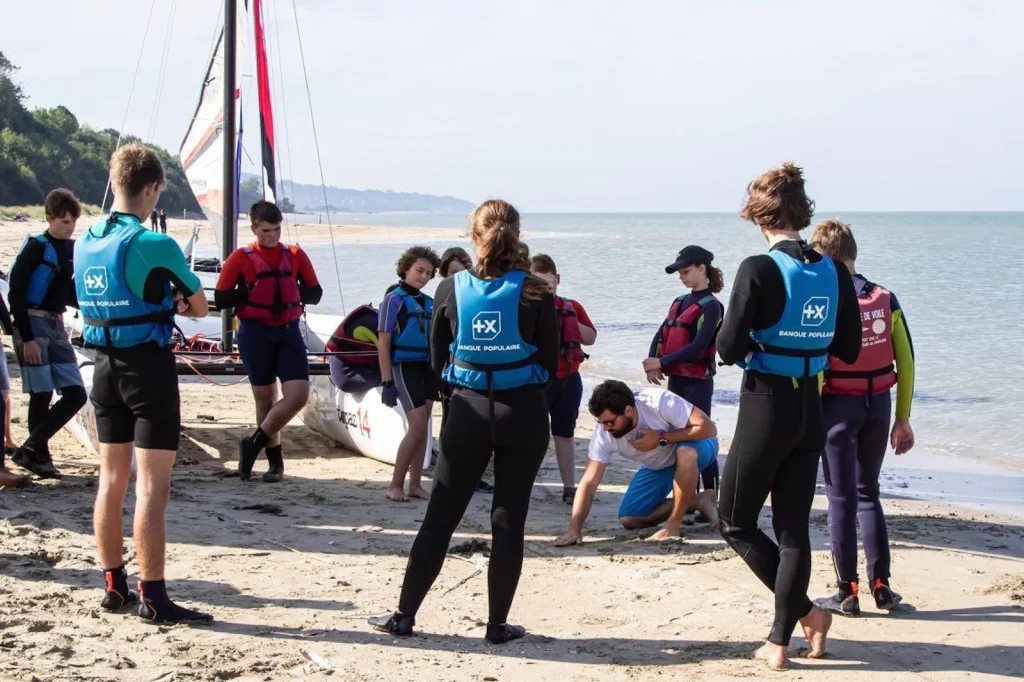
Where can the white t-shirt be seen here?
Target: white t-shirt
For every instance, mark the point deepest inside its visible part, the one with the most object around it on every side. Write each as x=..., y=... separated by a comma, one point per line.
x=657, y=410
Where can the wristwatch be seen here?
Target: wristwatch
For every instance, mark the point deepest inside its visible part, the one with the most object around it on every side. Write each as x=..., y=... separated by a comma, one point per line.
x=661, y=439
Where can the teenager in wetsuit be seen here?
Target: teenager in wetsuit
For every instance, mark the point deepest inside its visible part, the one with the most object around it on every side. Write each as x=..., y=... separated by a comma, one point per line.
x=684, y=346
x=495, y=337
x=858, y=409
x=789, y=310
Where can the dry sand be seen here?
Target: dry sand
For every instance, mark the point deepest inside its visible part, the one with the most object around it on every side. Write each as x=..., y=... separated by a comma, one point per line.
x=291, y=571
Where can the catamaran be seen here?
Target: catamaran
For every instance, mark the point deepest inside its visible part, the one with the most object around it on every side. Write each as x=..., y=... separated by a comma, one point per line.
x=348, y=413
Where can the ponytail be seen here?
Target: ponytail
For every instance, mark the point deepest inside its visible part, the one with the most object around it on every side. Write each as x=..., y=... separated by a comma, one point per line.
x=495, y=230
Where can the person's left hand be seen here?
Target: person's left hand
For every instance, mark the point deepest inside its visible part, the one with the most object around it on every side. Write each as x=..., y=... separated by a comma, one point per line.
x=647, y=441
x=652, y=365
x=902, y=437
x=181, y=304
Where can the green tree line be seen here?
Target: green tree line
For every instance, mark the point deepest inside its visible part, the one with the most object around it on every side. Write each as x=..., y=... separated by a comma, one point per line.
x=47, y=148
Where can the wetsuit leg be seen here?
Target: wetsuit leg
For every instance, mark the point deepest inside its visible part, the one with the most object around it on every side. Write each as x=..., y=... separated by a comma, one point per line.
x=522, y=432
x=465, y=450
x=51, y=419
x=776, y=423
x=844, y=417
x=38, y=408
x=872, y=443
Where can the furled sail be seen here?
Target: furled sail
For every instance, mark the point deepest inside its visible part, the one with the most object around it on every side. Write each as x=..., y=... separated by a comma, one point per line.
x=266, y=109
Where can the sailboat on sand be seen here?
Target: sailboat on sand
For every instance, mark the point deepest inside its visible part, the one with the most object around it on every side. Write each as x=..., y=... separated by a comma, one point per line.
x=345, y=399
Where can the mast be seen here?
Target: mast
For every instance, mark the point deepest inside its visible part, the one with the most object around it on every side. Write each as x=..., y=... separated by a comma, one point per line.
x=230, y=233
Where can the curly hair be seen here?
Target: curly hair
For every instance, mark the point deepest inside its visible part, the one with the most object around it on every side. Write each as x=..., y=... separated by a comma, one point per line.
x=413, y=254
x=611, y=395
x=776, y=199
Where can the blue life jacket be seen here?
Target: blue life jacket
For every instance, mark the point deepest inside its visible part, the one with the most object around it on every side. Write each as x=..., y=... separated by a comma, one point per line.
x=42, y=277
x=412, y=338
x=115, y=317
x=797, y=345
x=489, y=352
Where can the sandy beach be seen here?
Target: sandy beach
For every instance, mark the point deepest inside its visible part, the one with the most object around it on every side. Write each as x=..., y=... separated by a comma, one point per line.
x=291, y=572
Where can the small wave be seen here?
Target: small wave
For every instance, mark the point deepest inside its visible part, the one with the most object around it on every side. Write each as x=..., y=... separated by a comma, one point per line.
x=933, y=399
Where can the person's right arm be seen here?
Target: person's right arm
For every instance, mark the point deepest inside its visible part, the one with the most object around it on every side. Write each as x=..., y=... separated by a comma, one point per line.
x=387, y=322
x=24, y=265
x=546, y=336
x=441, y=336
x=232, y=288
x=734, y=336
x=582, y=502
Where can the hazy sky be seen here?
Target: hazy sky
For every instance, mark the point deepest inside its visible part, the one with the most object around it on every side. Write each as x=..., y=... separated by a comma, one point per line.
x=590, y=105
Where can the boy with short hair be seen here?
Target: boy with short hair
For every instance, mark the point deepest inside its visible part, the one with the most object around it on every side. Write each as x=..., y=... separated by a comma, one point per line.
x=42, y=288
x=269, y=283
x=130, y=283
x=566, y=392
x=858, y=408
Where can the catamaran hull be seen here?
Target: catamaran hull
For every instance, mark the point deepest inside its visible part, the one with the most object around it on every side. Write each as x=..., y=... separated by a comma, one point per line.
x=358, y=422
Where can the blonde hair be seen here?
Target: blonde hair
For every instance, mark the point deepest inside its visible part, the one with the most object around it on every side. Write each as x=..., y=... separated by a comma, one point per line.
x=776, y=199
x=133, y=167
x=495, y=228
x=834, y=238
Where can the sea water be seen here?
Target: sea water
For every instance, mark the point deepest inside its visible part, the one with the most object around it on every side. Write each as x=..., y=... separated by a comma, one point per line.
x=956, y=275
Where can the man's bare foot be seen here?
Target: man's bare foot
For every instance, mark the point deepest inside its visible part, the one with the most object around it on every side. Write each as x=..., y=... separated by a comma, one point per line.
x=9, y=479
x=705, y=503
x=396, y=494
x=418, y=492
x=774, y=655
x=665, y=533
x=815, y=625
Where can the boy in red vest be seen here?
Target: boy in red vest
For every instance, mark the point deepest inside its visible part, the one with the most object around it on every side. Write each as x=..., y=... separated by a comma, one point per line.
x=566, y=392
x=858, y=409
x=269, y=283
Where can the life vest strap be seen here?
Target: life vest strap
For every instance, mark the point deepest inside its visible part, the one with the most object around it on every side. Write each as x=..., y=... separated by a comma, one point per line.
x=490, y=368
x=160, y=316
x=272, y=306
x=413, y=349
x=859, y=374
x=791, y=352
x=276, y=274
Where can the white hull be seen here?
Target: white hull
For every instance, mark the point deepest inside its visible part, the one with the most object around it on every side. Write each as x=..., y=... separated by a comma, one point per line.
x=361, y=423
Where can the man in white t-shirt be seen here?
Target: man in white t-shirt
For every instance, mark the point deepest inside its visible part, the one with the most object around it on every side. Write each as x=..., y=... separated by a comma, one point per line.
x=671, y=439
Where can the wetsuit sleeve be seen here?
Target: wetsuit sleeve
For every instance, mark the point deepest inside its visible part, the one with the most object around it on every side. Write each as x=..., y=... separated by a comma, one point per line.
x=700, y=342
x=547, y=335
x=734, y=336
x=903, y=347
x=581, y=315
x=232, y=288
x=846, y=342
x=24, y=265
x=441, y=335
x=153, y=257
x=389, y=309
x=5, y=319
x=309, y=286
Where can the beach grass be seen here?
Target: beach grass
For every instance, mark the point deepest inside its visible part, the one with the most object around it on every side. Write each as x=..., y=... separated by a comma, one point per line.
x=38, y=212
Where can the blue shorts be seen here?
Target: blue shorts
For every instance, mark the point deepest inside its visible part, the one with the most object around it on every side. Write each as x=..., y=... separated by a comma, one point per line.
x=59, y=366
x=272, y=353
x=563, y=397
x=650, y=487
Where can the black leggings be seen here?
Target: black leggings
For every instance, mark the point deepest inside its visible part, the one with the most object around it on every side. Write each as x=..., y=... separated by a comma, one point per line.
x=780, y=435
x=45, y=420
x=521, y=429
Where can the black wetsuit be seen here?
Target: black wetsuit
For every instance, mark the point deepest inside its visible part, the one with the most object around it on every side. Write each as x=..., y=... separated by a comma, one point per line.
x=780, y=436
x=518, y=444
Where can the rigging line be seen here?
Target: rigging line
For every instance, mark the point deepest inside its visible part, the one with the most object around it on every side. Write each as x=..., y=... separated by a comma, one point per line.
x=131, y=91
x=284, y=107
x=275, y=84
x=319, y=161
x=162, y=73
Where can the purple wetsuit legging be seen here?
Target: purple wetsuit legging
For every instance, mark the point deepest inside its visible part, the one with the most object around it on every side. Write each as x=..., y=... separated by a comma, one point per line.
x=858, y=434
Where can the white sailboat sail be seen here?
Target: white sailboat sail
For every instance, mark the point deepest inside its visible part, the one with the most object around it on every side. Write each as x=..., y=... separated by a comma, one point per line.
x=202, y=155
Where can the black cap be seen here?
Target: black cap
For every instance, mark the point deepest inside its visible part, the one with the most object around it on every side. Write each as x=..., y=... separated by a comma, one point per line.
x=691, y=255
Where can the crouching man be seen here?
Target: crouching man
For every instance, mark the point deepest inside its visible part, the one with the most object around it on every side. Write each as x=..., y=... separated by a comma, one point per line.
x=672, y=440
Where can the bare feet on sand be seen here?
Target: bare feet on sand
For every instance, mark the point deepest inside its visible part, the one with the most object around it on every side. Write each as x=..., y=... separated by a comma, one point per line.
x=9, y=479
x=666, y=534
x=815, y=625
x=396, y=494
x=418, y=492
x=706, y=503
x=774, y=655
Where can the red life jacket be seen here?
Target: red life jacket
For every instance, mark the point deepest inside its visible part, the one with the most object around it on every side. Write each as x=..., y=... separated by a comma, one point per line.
x=571, y=341
x=359, y=353
x=678, y=330
x=274, y=298
x=874, y=371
